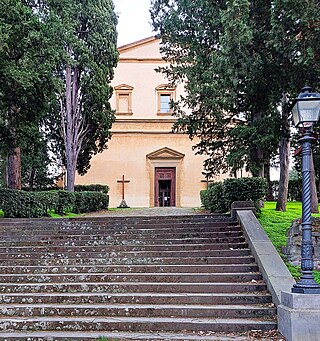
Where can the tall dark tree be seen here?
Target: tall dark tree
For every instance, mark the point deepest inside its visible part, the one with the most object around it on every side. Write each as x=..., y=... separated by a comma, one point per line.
x=238, y=58
x=25, y=77
x=87, y=32
x=218, y=48
x=294, y=39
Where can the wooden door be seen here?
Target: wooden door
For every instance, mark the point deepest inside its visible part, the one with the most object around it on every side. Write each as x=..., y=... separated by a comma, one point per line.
x=165, y=187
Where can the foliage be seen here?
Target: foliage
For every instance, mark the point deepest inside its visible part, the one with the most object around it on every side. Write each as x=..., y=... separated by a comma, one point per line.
x=92, y=188
x=213, y=199
x=219, y=197
x=26, y=76
x=294, y=189
x=88, y=55
x=240, y=60
x=218, y=49
x=90, y=201
x=276, y=225
x=22, y=204
x=66, y=202
x=244, y=189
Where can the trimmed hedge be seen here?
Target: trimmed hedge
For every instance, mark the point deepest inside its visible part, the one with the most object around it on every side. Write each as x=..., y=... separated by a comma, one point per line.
x=22, y=204
x=92, y=188
x=220, y=196
x=213, y=199
x=90, y=202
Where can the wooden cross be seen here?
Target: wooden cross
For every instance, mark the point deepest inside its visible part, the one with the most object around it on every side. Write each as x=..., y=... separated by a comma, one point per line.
x=207, y=181
x=123, y=204
x=123, y=181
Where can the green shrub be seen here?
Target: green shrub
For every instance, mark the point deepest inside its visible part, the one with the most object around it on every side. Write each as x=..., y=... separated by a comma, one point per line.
x=220, y=196
x=22, y=204
x=90, y=202
x=92, y=188
x=244, y=189
x=213, y=199
x=66, y=202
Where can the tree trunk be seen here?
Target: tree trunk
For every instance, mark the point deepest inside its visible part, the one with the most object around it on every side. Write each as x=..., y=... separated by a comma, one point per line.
x=284, y=150
x=314, y=196
x=14, y=169
x=269, y=196
x=32, y=177
x=284, y=175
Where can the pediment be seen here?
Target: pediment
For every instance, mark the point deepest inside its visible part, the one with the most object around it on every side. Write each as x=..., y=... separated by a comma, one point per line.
x=123, y=87
x=165, y=153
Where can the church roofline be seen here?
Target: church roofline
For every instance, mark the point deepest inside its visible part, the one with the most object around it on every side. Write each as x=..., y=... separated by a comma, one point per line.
x=138, y=43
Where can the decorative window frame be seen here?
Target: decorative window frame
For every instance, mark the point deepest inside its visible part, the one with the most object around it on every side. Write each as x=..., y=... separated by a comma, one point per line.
x=165, y=89
x=124, y=89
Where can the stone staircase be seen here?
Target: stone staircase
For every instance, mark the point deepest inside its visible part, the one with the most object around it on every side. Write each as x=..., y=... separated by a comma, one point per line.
x=149, y=278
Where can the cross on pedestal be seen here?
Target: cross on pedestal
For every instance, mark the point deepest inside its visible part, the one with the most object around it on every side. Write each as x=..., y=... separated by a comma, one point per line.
x=207, y=181
x=123, y=203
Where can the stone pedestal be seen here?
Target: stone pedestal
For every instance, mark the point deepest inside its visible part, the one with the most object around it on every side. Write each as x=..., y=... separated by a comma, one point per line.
x=123, y=204
x=299, y=316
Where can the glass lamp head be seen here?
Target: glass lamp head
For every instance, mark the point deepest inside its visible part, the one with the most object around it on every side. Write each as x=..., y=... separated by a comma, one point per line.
x=306, y=108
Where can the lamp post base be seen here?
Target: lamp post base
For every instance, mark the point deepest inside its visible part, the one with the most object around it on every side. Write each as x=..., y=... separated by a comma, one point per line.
x=309, y=286
x=315, y=290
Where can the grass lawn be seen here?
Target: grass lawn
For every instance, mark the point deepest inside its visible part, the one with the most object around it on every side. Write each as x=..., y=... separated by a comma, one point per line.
x=276, y=225
x=53, y=215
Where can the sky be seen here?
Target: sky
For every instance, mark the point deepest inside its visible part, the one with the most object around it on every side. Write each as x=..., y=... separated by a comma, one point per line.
x=134, y=20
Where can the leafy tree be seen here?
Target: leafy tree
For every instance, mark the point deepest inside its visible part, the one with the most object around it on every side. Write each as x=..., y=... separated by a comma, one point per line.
x=295, y=52
x=218, y=49
x=87, y=34
x=25, y=77
x=239, y=59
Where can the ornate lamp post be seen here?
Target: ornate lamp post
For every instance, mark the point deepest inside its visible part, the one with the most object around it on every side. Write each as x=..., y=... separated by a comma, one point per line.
x=305, y=111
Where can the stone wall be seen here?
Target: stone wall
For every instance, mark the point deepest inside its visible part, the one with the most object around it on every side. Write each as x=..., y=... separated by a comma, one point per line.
x=293, y=248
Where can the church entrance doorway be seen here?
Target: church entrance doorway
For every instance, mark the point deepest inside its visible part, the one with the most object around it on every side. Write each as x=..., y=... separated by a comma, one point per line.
x=165, y=187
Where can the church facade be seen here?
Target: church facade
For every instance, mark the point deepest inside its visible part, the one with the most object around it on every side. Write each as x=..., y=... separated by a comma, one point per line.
x=146, y=164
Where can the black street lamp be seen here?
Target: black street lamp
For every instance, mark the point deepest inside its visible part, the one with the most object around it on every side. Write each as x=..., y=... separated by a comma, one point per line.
x=305, y=111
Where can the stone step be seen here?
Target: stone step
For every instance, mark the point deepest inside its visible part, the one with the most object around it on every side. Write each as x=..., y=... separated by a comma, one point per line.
x=128, y=276
x=128, y=254
x=222, y=268
x=131, y=277
x=128, y=261
x=124, y=336
x=121, y=287
x=135, y=310
x=99, y=240
x=134, y=324
x=108, y=248
x=116, y=220
x=161, y=226
x=251, y=298
x=123, y=236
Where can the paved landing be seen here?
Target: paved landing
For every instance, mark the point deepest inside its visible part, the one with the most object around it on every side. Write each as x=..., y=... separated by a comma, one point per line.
x=146, y=211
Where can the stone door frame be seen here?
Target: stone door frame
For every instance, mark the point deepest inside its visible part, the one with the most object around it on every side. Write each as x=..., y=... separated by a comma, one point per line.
x=165, y=158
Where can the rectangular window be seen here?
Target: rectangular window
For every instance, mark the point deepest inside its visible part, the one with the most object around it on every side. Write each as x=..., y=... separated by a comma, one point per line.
x=165, y=100
x=124, y=106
